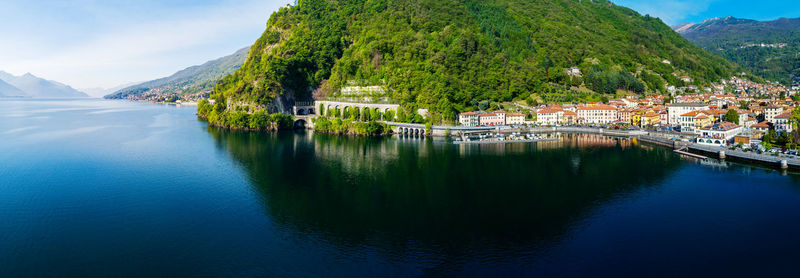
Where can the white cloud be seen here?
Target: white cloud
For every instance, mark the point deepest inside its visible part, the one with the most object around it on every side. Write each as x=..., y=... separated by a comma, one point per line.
x=105, y=52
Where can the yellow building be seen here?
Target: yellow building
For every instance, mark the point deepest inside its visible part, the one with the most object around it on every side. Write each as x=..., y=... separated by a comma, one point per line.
x=651, y=118
x=702, y=120
x=636, y=117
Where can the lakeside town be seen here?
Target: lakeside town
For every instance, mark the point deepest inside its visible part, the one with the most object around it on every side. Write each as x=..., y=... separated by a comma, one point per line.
x=735, y=112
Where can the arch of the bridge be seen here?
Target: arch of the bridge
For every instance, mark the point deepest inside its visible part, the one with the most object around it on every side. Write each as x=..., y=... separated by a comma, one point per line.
x=300, y=123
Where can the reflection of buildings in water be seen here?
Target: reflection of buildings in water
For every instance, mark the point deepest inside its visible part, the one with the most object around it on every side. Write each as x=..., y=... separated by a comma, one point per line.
x=567, y=140
x=586, y=140
x=495, y=149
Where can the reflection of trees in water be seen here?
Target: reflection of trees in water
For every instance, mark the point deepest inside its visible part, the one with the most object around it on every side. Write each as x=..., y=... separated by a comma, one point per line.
x=353, y=190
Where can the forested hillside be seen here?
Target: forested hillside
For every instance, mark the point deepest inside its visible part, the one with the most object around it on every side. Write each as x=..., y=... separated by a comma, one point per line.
x=770, y=49
x=192, y=80
x=448, y=55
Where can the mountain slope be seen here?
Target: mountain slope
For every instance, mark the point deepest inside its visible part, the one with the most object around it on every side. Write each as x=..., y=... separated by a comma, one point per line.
x=446, y=55
x=8, y=90
x=37, y=87
x=770, y=49
x=192, y=80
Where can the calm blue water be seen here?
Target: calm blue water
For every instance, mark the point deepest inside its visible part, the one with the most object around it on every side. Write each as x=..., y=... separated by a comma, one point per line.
x=92, y=188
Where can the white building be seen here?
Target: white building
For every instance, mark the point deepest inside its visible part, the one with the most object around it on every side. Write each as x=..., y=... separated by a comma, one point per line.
x=549, y=116
x=598, y=114
x=771, y=112
x=491, y=119
x=675, y=110
x=515, y=118
x=719, y=134
x=468, y=119
x=784, y=122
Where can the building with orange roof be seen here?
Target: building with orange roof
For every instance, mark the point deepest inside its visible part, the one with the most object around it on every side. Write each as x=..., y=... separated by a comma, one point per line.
x=784, y=122
x=675, y=111
x=549, y=116
x=491, y=119
x=515, y=118
x=570, y=117
x=762, y=127
x=651, y=118
x=598, y=114
x=693, y=120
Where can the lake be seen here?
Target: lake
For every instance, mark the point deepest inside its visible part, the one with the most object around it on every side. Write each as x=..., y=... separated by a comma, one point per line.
x=95, y=188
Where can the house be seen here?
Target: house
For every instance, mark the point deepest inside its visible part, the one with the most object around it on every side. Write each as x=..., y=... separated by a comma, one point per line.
x=762, y=127
x=743, y=117
x=515, y=119
x=675, y=110
x=491, y=119
x=664, y=118
x=636, y=117
x=625, y=115
x=468, y=119
x=719, y=134
x=501, y=116
x=770, y=112
x=703, y=121
x=549, y=116
x=651, y=119
x=574, y=71
x=694, y=120
x=784, y=122
x=598, y=114
x=749, y=122
x=570, y=117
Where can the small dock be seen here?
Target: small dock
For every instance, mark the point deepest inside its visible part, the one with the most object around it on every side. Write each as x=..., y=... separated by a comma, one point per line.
x=682, y=152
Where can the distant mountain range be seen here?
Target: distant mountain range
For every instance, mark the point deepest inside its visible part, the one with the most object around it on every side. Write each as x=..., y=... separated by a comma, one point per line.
x=100, y=91
x=770, y=49
x=29, y=85
x=8, y=90
x=193, y=80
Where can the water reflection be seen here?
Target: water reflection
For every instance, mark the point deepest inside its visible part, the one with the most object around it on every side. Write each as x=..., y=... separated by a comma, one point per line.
x=398, y=193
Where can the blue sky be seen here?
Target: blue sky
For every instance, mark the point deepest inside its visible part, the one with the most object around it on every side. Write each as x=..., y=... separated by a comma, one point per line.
x=678, y=11
x=106, y=43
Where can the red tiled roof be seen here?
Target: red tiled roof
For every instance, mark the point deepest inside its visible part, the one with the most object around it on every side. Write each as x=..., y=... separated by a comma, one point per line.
x=599, y=107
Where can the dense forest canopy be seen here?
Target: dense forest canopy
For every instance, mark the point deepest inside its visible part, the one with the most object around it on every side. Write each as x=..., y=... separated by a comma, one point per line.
x=448, y=55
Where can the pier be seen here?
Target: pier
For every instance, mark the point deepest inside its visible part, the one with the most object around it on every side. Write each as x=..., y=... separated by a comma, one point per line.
x=780, y=161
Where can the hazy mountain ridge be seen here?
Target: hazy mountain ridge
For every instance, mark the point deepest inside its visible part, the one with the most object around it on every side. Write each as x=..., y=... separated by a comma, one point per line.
x=770, y=49
x=8, y=90
x=37, y=87
x=192, y=80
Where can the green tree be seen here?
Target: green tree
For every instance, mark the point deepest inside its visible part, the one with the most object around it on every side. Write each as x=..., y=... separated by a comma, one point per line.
x=483, y=105
x=732, y=116
x=389, y=115
x=547, y=63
